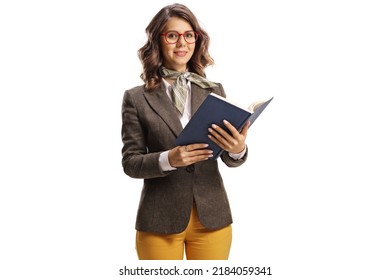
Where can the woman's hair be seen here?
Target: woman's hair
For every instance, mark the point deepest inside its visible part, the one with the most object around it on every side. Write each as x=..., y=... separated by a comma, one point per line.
x=150, y=54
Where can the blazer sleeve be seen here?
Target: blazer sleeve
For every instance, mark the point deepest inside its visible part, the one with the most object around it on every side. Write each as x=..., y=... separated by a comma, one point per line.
x=232, y=162
x=137, y=162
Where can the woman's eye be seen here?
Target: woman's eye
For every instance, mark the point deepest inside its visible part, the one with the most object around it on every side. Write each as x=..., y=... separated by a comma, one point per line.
x=172, y=35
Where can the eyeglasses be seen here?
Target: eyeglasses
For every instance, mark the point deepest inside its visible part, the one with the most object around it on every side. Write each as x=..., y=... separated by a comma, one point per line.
x=172, y=37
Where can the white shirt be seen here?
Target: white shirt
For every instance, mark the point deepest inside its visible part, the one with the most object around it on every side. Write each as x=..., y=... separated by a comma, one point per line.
x=184, y=119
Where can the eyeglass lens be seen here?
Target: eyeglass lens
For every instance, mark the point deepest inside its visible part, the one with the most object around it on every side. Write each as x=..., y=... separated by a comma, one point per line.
x=173, y=37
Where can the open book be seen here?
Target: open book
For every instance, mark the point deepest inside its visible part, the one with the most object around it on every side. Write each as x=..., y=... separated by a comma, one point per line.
x=214, y=110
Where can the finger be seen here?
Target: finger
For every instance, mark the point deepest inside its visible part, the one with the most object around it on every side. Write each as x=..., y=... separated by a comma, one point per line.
x=197, y=155
x=216, y=141
x=219, y=131
x=215, y=133
x=231, y=128
x=244, y=130
x=196, y=146
x=189, y=154
x=219, y=139
x=200, y=158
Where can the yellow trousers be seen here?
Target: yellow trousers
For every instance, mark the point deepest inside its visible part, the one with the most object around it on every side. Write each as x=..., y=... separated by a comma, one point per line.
x=198, y=242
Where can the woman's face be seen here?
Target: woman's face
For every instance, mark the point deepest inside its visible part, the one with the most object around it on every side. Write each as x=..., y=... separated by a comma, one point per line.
x=177, y=55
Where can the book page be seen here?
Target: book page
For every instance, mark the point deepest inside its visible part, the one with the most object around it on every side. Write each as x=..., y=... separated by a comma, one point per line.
x=251, y=108
x=232, y=102
x=256, y=105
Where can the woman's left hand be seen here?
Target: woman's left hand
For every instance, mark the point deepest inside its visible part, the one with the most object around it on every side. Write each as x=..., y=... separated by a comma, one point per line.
x=234, y=143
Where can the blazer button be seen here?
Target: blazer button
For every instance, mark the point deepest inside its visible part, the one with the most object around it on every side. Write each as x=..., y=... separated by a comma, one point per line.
x=190, y=168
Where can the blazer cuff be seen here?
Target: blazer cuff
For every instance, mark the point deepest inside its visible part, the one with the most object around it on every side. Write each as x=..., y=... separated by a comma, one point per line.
x=239, y=155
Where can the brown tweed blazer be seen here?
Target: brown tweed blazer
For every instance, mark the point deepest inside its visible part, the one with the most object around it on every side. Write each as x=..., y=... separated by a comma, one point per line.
x=150, y=126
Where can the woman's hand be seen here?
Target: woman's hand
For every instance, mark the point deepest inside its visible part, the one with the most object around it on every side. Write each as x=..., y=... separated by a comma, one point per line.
x=187, y=155
x=234, y=143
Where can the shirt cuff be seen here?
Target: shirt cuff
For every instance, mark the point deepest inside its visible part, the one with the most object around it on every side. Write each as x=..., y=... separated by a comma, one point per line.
x=239, y=155
x=164, y=162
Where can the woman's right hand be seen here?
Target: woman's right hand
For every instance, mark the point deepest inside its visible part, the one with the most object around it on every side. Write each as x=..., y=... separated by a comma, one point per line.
x=186, y=155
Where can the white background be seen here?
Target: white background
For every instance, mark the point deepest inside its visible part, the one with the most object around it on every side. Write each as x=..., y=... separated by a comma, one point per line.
x=312, y=200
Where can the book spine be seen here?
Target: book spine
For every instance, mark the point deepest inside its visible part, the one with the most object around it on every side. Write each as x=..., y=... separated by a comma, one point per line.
x=218, y=154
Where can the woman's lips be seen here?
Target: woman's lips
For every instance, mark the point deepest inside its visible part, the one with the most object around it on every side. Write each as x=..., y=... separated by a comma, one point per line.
x=181, y=53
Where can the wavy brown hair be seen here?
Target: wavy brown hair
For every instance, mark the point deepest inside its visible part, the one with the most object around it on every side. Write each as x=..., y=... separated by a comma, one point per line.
x=150, y=54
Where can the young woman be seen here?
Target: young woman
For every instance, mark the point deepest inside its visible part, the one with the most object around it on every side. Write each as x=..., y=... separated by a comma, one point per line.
x=183, y=205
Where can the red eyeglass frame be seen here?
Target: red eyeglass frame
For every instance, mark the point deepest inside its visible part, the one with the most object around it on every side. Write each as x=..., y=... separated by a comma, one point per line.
x=182, y=34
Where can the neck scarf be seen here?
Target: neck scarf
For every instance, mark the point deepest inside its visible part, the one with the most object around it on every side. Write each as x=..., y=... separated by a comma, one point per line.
x=180, y=87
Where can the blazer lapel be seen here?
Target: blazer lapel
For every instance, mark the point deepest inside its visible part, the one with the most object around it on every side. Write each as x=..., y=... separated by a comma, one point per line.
x=162, y=105
x=198, y=95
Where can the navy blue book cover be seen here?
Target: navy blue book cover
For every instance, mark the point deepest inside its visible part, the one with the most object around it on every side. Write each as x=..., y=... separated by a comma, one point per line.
x=214, y=110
